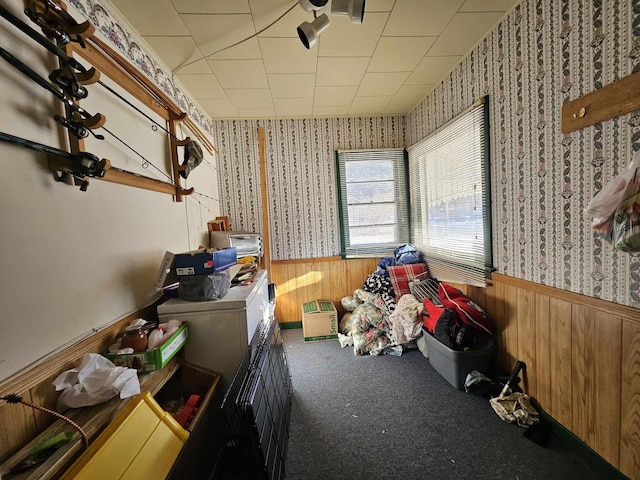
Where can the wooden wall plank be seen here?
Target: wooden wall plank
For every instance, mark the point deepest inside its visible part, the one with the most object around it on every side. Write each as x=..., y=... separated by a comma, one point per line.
x=526, y=319
x=18, y=427
x=582, y=373
x=596, y=380
x=630, y=401
x=560, y=347
x=332, y=278
x=608, y=338
x=542, y=351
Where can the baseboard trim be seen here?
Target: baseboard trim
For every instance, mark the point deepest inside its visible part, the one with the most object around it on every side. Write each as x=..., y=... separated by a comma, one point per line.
x=584, y=451
x=290, y=325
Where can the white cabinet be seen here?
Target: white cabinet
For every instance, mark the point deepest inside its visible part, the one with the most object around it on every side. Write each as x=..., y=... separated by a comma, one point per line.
x=220, y=330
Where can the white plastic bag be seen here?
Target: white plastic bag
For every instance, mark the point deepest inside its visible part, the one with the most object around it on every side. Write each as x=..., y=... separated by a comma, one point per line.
x=95, y=381
x=602, y=207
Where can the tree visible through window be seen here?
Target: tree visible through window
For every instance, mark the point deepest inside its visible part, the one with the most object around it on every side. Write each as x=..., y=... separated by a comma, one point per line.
x=373, y=201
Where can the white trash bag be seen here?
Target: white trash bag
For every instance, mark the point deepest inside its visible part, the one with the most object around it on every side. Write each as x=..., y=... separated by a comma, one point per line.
x=95, y=381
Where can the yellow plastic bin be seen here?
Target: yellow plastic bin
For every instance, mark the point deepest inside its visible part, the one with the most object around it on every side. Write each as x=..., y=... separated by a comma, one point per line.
x=142, y=442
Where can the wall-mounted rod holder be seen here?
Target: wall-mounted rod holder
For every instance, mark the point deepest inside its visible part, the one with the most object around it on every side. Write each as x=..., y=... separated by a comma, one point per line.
x=610, y=101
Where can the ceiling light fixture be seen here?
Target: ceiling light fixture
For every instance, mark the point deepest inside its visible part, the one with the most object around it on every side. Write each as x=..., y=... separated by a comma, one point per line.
x=310, y=5
x=354, y=9
x=309, y=32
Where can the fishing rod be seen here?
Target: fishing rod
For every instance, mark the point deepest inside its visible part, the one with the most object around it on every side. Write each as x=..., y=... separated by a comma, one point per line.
x=67, y=60
x=76, y=126
x=62, y=28
x=80, y=165
x=90, y=121
x=84, y=164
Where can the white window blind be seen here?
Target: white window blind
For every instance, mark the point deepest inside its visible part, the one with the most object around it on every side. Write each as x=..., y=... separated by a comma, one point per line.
x=374, y=199
x=450, y=201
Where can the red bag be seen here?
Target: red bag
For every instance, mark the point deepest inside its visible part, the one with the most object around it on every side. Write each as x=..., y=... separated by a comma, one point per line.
x=431, y=315
x=468, y=311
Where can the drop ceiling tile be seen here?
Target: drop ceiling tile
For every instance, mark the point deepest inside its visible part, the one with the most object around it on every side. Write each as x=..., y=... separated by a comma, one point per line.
x=341, y=71
x=199, y=66
x=420, y=17
x=213, y=33
x=151, y=17
x=381, y=84
x=368, y=105
x=175, y=51
x=411, y=94
x=295, y=85
x=239, y=73
x=256, y=112
x=487, y=5
x=399, y=54
x=378, y=6
x=432, y=69
x=250, y=98
x=397, y=109
x=334, y=96
x=202, y=86
x=247, y=50
x=266, y=12
x=219, y=107
x=335, y=111
x=287, y=55
x=346, y=39
x=211, y=6
x=464, y=31
x=293, y=107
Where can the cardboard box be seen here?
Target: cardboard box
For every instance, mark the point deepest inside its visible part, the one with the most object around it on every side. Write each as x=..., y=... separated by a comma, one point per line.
x=205, y=261
x=153, y=359
x=167, y=273
x=319, y=321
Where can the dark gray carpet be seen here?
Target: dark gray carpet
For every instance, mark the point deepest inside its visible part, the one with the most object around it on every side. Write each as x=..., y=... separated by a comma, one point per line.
x=387, y=417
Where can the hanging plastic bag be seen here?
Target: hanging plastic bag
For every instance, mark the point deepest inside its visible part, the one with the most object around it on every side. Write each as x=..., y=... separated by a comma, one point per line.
x=626, y=225
x=602, y=207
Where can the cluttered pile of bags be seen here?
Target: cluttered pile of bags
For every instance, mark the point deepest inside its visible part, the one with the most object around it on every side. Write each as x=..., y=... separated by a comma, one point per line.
x=615, y=210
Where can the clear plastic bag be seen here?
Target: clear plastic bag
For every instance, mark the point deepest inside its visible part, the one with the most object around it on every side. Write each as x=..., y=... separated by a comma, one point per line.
x=602, y=207
x=200, y=288
x=626, y=225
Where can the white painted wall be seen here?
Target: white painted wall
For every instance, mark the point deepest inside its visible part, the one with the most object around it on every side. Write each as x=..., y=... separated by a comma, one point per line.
x=74, y=261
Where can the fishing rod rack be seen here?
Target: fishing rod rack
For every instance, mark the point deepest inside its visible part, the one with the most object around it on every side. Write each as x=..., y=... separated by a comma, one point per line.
x=66, y=38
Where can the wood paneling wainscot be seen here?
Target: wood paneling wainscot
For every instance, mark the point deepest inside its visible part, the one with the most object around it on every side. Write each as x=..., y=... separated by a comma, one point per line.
x=582, y=353
x=327, y=278
x=583, y=361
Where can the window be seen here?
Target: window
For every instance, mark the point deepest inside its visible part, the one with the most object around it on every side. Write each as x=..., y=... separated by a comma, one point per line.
x=450, y=203
x=373, y=200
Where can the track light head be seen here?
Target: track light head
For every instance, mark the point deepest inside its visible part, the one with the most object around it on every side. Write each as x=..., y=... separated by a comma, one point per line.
x=354, y=9
x=309, y=32
x=310, y=5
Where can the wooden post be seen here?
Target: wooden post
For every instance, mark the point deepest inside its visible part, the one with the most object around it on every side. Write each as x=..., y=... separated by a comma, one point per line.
x=266, y=258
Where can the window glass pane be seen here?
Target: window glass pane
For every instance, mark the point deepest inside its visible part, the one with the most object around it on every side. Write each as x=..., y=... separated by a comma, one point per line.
x=374, y=201
x=369, y=235
x=371, y=170
x=449, y=180
x=368, y=192
x=378, y=214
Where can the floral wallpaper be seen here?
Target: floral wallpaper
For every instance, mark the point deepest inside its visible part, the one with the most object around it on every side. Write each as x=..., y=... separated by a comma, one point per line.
x=543, y=54
x=106, y=21
x=301, y=176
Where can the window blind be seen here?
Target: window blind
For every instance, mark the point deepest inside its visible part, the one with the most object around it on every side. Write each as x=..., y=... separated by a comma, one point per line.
x=450, y=202
x=374, y=200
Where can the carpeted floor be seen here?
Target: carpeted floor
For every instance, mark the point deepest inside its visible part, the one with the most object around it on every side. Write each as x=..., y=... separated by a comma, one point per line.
x=388, y=417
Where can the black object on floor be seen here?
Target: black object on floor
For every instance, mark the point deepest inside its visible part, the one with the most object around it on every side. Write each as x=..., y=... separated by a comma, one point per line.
x=257, y=409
